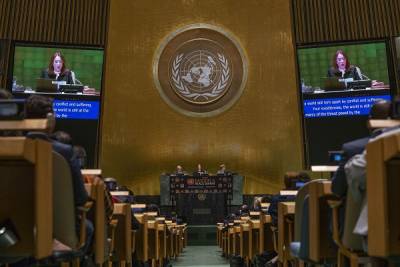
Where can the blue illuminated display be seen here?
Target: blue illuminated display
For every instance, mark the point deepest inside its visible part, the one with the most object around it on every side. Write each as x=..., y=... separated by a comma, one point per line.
x=343, y=106
x=76, y=109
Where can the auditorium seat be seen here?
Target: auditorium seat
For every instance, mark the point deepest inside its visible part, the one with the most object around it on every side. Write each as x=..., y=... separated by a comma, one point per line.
x=142, y=238
x=123, y=244
x=246, y=240
x=101, y=247
x=311, y=241
x=27, y=190
x=299, y=246
x=383, y=198
x=349, y=245
x=285, y=230
x=322, y=248
x=162, y=239
x=64, y=217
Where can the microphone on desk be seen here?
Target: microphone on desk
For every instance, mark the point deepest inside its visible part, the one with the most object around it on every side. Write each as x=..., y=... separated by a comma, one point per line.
x=362, y=75
x=74, y=79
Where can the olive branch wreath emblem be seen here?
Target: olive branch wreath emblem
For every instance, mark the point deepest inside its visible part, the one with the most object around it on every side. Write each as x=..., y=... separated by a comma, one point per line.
x=216, y=90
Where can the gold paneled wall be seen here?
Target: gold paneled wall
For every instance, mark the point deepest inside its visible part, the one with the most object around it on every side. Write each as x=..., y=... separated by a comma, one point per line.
x=142, y=137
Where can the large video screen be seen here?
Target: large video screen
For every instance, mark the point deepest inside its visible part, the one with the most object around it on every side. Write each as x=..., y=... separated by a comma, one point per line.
x=338, y=85
x=33, y=64
x=72, y=77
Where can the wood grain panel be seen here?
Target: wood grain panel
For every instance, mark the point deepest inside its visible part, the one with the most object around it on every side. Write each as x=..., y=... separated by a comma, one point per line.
x=63, y=21
x=338, y=20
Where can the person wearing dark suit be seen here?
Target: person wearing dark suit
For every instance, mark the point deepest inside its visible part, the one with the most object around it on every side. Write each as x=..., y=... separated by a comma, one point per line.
x=57, y=69
x=200, y=171
x=39, y=107
x=379, y=110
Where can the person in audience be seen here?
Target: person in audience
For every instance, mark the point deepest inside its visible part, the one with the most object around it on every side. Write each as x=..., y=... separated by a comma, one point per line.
x=62, y=137
x=244, y=210
x=4, y=94
x=79, y=152
x=42, y=107
x=57, y=69
x=80, y=156
x=39, y=107
x=290, y=180
x=111, y=183
x=380, y=110
x=294, y=180
x=257, y=203
x=342, y=68
x=351, y=158
x=108, y=203
x=153, y=208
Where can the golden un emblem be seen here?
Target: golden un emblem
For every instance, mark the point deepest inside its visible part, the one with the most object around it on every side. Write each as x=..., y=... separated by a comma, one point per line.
x=200, y=70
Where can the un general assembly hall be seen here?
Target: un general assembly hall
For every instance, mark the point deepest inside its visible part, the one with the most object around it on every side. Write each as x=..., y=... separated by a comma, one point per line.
x=192, y=133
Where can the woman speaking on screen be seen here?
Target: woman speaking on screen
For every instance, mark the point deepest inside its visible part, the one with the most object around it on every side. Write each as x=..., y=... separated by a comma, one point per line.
x=57, y=69
x=341, y=67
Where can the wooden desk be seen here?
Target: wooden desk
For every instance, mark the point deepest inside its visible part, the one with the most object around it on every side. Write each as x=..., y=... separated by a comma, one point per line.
x=123, y=241
x=26, y=186
x=321, y=247
x=285, y=209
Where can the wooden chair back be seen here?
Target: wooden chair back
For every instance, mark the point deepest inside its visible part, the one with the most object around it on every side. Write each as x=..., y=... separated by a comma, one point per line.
x=321, y=244
x=285, y=230
x=383, y=186
x=63, y=198
x=123, y=242
x=142, y=238
x=96, y=192
x=26, y=192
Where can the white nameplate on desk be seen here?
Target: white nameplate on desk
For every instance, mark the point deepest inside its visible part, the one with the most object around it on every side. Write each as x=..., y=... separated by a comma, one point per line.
x=322, y=168
x=91, y=171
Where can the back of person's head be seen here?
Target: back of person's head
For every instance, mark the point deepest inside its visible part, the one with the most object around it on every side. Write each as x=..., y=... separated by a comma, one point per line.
x=4, y=94
x=153, y=208
x=111, y=183
x=38, y=107
x=257, y=203
x=62, y=137
x=244, y=210
x=380, y=110
x=80, y=155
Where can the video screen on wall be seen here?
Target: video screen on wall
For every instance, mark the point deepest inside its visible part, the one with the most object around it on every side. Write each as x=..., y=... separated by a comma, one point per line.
x=338, y=85
x=57, y=69
x=71, y=75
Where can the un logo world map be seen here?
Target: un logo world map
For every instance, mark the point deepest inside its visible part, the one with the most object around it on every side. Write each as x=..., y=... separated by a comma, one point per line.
x=200, y=70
